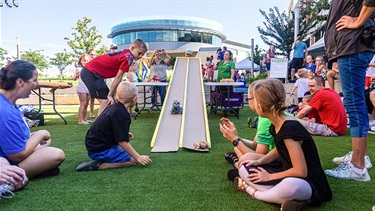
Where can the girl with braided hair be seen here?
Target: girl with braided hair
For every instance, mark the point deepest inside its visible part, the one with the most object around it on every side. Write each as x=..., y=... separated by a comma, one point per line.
x=300, y=179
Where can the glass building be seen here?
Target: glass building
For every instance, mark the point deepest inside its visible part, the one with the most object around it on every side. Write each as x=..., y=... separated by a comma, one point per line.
x=170, y=33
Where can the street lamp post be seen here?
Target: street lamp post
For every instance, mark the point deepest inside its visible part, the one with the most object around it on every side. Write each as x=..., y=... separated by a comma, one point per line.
x=297, y=9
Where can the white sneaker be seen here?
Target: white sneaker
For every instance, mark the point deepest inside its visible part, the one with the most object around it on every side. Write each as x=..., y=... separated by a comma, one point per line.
x=371, y=123
x=348, y=157
x=346, y=170
x=6, y=191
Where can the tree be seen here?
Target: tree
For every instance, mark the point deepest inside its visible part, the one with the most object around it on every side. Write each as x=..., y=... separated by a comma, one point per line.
x=85, y=38
x=3, y=54
x=257, y=54
x=61, y=61
x=35, y=57
x=279, y=30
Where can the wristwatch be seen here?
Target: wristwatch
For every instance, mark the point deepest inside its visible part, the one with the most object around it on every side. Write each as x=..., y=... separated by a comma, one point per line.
x=235, y=142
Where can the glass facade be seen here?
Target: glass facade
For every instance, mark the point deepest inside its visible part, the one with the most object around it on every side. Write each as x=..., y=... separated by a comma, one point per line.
x=179, y=29
x=167, y=36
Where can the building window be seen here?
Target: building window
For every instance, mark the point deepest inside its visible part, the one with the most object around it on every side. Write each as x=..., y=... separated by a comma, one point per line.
x=168, y=36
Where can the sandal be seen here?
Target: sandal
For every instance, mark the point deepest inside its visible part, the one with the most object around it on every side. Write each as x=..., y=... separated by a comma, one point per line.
x=231, y=157
x=240, y=184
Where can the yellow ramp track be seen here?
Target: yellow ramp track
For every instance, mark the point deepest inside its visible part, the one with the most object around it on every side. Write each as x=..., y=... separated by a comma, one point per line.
x=195, y=125
x=174, y=130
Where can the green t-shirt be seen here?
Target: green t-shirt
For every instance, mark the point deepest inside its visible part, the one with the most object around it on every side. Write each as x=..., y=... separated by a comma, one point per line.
x=263, y=132
x=224, y=70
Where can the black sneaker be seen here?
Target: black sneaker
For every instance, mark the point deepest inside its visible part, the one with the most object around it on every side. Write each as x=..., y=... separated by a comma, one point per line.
x=89, y=165
x=231, y=157
x=293, y=205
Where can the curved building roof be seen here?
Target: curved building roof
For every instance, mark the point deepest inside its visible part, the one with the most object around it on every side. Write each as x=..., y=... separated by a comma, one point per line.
x=168, y=23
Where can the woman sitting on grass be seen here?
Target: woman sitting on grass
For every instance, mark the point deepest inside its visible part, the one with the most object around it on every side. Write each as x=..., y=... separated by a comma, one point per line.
x=300, y=179
x=30, y=151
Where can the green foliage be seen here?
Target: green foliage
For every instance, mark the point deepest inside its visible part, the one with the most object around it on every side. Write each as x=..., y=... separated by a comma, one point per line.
x=40, y=61
x=172, y=61
x=259, y=77
x=257, y=54
x=279, y=29
x=85, y=38
x=3, y=54
x=61, y=61
x=184, y=180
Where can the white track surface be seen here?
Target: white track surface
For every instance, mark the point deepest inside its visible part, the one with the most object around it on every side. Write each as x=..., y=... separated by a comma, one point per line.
x=175, y=130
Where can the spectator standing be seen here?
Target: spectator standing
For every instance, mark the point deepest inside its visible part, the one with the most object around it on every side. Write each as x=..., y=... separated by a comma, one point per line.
x=226, y=67
x=92, y=54
x=269, y=55
x=82, y=91
x=299, y=53
x=159, y=69
x=343, y=42
x=210, y=68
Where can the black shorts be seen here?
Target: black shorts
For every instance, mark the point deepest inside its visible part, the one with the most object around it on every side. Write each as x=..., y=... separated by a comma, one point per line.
x=297, y=63
x=95, y=84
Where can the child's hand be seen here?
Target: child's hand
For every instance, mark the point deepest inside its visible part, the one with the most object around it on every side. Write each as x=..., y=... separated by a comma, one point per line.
x=131, y=136
x=229, y=131
x=259, y=175
x=249, y=163
x=144, y=160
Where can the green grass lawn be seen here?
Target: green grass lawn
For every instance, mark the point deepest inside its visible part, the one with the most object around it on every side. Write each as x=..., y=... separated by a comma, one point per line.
x=184, y=180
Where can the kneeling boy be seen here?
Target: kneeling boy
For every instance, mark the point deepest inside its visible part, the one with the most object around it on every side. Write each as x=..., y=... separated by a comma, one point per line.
x=107, y=141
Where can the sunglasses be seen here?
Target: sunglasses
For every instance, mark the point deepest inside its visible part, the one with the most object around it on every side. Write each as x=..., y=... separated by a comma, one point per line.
x=249, y=98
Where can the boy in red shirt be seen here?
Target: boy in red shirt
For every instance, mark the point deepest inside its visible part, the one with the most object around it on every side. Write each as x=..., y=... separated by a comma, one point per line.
x=109, y=66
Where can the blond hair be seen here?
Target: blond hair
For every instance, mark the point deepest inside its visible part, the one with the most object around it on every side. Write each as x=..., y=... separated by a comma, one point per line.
x=81, y=58
x=126, y=91
x=270, y=95
x=302, y=73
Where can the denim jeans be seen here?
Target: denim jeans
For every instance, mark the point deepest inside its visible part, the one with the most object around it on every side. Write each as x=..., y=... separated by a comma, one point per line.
x=162, y=92
x=352, y=70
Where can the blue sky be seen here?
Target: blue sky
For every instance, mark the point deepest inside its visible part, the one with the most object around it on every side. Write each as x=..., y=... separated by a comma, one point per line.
x=43, y=24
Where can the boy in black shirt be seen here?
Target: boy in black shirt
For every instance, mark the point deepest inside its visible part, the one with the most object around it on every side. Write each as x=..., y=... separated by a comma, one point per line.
x=107, y=140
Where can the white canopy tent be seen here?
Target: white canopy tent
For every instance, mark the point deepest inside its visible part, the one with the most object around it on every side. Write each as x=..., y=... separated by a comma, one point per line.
x=246, y=65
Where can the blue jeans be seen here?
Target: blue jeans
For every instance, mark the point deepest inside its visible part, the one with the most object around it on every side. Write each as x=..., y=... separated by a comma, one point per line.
x=162, y=92
x=352, y=70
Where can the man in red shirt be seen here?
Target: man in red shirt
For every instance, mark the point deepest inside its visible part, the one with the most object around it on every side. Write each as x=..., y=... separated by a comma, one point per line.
x=330, y=109
x=109, y=66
